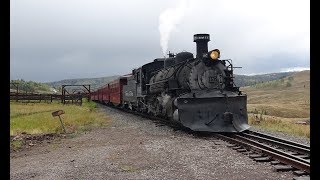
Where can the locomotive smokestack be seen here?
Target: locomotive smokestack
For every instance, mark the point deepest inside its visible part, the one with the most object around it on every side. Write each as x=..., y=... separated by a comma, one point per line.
x=202, y=43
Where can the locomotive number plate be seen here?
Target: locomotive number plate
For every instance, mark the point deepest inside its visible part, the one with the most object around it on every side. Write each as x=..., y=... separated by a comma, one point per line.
x=212, y=79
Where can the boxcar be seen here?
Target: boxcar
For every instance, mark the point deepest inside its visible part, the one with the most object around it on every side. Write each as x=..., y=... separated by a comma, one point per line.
x=115, y=90
x=94, y=96
x=105, y=94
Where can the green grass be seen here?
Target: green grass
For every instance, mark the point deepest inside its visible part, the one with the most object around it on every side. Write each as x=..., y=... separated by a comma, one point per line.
x=17, y=144
x=36, y=118
x=280, y=125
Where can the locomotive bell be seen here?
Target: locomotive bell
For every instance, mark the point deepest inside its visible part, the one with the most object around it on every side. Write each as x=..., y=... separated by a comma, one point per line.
x=202, y=44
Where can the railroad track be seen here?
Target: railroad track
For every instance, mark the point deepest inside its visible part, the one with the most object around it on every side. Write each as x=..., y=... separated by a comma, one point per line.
x=283, y=154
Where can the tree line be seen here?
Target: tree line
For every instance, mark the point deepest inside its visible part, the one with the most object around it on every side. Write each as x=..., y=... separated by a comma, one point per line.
x=29, y=86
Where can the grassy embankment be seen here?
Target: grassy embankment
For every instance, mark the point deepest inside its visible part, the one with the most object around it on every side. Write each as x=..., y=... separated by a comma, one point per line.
x=36, y=118
x=278, y=105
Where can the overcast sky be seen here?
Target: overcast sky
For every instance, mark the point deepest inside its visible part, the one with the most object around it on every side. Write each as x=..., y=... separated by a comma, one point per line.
x=61, y=39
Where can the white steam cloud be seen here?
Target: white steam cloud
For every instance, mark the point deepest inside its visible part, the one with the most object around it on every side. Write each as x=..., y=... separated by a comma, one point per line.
x=168, y=20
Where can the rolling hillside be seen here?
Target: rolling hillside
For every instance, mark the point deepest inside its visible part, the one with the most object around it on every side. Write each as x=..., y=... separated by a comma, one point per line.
x=245, y=80
x=240, y=80
x=94, y=82
x=288, y=97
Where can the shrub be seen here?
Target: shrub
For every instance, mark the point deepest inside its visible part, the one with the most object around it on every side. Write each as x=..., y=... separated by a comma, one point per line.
x=288, y=84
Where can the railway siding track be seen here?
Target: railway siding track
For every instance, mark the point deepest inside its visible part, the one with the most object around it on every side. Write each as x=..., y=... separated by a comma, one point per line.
x=283, y=154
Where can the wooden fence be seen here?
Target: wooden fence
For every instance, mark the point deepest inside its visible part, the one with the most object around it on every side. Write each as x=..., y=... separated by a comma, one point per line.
x=30, y=97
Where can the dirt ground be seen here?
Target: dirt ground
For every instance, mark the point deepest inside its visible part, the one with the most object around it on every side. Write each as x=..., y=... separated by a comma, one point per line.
x=136, y=148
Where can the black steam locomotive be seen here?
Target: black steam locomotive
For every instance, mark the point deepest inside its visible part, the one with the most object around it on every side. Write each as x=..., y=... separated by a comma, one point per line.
x=197, y=92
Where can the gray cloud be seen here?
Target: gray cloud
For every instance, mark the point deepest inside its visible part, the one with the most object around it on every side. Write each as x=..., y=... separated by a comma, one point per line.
x=58, y=39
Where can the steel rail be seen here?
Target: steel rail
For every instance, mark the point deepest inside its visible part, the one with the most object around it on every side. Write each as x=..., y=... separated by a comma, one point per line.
x=282, y=144
x=283, y=157
x=278, y=139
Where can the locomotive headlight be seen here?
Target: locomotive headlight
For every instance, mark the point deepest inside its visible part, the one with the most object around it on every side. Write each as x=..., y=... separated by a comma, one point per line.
x=214, y=54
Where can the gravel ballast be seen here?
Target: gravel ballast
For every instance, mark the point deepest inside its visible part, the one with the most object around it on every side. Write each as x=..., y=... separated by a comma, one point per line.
x=132, y=147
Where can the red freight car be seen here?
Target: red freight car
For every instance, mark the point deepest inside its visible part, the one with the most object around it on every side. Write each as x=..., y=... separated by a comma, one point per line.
x=105, y=94
x=101, y=95
x=94, y=96
x=115, y=90
x=112, y=92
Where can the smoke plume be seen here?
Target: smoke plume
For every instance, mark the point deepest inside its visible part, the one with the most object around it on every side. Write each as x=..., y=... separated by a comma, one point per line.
x=168, y=20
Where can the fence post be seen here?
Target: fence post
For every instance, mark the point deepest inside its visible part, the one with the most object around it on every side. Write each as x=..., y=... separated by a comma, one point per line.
x=62, y=125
